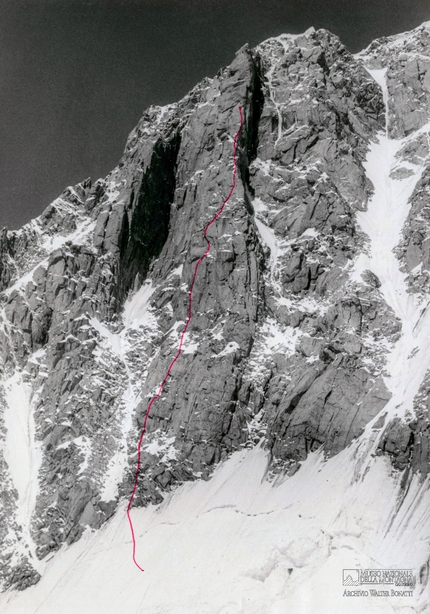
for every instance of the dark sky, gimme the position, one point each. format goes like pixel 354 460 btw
pixel 76 75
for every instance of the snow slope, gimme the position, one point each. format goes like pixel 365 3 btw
pixel 244 542
pixel 382 222
pixel 239 544
pixel 22 452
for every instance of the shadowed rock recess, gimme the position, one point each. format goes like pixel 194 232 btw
pixel 286 346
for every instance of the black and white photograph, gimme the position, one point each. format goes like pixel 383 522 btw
pixel 214 307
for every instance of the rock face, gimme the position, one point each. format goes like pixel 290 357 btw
pixel 286 345
pixel 406 60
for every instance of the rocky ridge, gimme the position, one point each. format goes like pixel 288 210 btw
pixel 290 339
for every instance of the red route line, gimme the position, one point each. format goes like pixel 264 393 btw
pixel 190 314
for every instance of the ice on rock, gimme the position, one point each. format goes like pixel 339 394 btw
pixel 301 392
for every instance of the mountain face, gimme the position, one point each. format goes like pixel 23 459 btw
pixel 310 332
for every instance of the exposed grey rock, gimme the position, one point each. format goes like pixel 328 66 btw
pixel 282 345
pixel 407 60
pixel 414 249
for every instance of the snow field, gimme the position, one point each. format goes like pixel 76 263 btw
pixel 240 545
pixel 21 451
pixel 382 222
